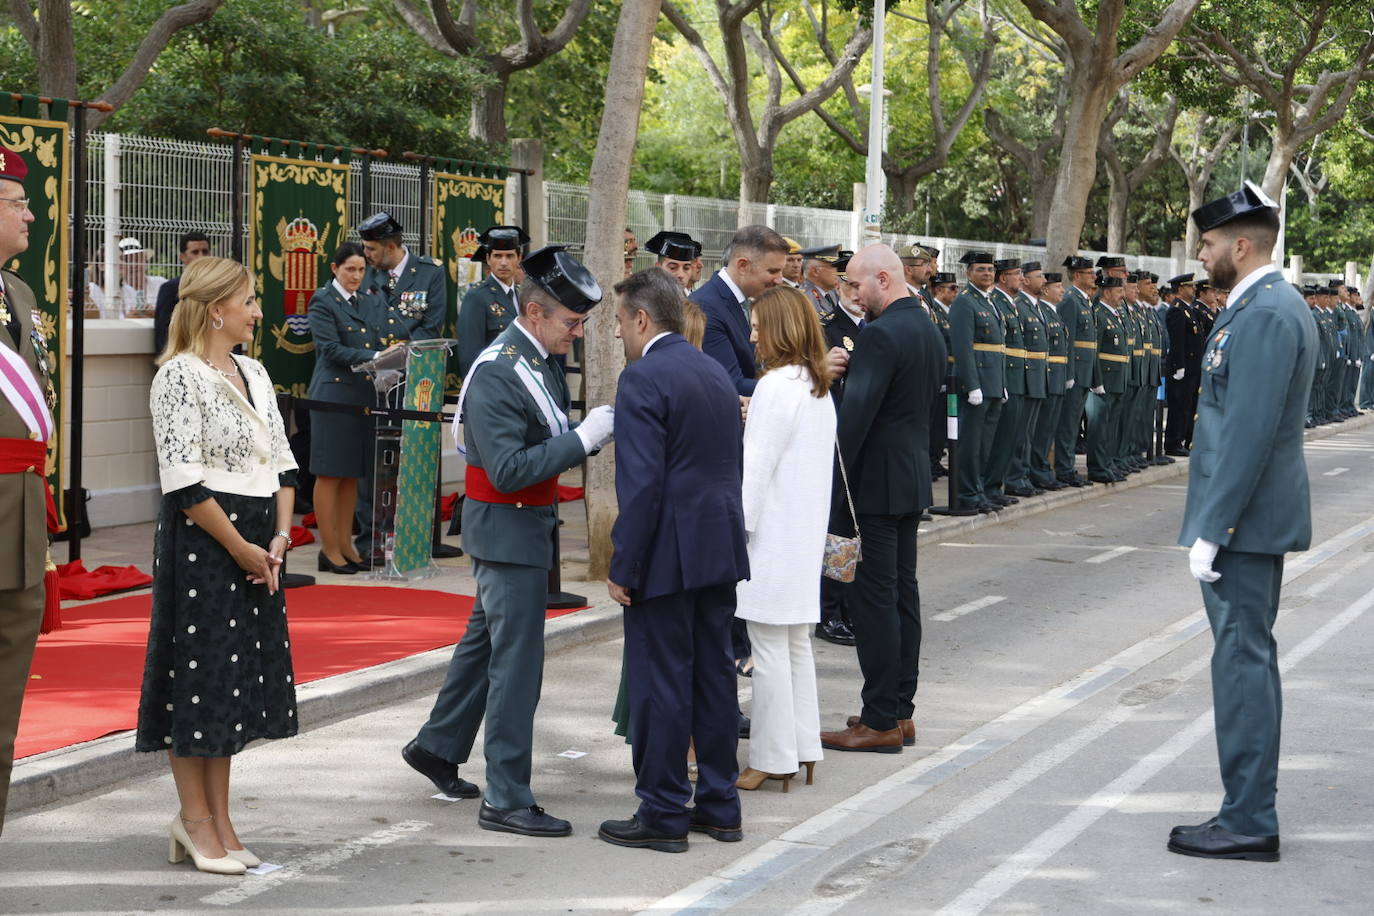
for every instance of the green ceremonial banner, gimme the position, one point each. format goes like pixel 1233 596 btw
pixel 45 265
pixel 419 461
pixel 464 205
pixel 298 216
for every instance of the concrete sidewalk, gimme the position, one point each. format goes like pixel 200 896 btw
pixel 68 773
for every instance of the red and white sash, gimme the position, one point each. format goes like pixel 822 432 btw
pixel 25 395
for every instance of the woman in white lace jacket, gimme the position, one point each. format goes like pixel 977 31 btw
pixel 218 671
pixel 789 444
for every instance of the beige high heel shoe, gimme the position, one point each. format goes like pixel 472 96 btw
pixel 751 779
pixel 243 855
pixel 179 844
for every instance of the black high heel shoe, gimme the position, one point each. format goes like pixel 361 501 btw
pixel 346 569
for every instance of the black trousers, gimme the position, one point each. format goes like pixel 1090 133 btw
pixel 1179 422
pixel 885 607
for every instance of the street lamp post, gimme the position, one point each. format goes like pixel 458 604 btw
pixel 877 136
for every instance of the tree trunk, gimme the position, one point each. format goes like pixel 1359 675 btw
pixel 488 122
pixel 1090 96
pixel 610 185
pixel 901 189
pixel 1280 158
pixel 1118 196
pixel 1197 187
pixel 1042 195
pixel 56 50
pixel 756 178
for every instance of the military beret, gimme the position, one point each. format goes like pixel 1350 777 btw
pixel 504 238
pixel 12 165
pixel 674 246
pixel 1248 200
pixel 1029 266
pixel 378 226
pixel 918 252
pixel 1111 261
pixel 564 277
pixel 943 279
pixel 1053 276
pixel 1074 262
pixel 1110 283
pixel 976 257
pixel 827 253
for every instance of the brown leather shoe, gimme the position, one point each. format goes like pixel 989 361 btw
pixel 862 738
pixel 907 726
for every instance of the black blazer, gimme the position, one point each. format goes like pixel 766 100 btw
pixel 167 296
pixel 884 429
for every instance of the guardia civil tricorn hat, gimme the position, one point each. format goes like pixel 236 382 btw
pixel 564 277
pixel 1074 262
pixel 504 238
pixel 1248 200
pixel 378 226
pixel 675 246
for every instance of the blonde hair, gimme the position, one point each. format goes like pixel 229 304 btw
pixel 693 323
pixel 207 281
pixel 790 335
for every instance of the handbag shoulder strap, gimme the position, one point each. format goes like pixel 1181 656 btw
pixel 844 478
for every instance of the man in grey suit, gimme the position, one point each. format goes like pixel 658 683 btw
pixel 518 439
pixel 1247 506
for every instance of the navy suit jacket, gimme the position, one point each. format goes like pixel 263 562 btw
pixel 727 333
pixel 167 295
pixel 678 455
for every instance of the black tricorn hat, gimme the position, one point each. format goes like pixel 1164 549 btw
pixel 1249 199
pixel 1002 265
pixel 504 238
pixel 970 258
pixel 562 276
pixel 479 256
pixel 842 262
pixel 1075 262
pixel 378 226
pixel 1029 266
pixel 1133 277
pixel 675 246
pixel 1053 276
pixel 1111 261
pixel 1110 283
pixel 942 278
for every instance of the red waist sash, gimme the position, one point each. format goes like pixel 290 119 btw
pixel 480 487
pixel 24 456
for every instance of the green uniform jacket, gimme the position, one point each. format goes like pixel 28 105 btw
pixel 345 335
pixel 1247 480
pixel 977 338
pixel 1034 338
pixel 1329 346
pixel 419 301
pixel 1057 372
pixel 1135 345
pixel 487 311
pixel 507 436
pixel 1014 354
pixel 1113 352
pixel 23 508
pixel 1080 329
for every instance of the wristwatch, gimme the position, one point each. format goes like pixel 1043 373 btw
pixel 283 534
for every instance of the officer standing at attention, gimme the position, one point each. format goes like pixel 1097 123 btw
pixel 1105 402
pixel 1011 425
pixel 1248 505
pixel 1183 366
pixel 792 265
pixel 1135 381
pixel 1080 329
pixel 1057 382
pixel 26 425
pixel 490 306
pixel 937 294
pixel 978 335
pixel 676 251
pixel 821 277
pixel 1036 342
pixel 514 414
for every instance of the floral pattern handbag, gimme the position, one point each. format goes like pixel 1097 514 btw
pixel 842 554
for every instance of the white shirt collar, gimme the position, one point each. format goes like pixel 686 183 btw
pixel 504 288
pixel 653 340
pixel 401 265
pixel 730 282
pixel 534 340
pixel 1250 280
pixel 341 291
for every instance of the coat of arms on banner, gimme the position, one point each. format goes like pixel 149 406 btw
pixel 298 267
pixel 461 269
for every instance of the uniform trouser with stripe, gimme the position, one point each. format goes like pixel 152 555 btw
pixel 1366 387
pixel 1018 473
pixel 1129 403
pixel 1104 432
pixel 1042 440
pixel 1316 401
pixel 972 422
pixel 1066 431
pixel 1003 445
pixel 1178 398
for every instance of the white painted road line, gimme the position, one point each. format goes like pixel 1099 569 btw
pixel 961 610
pixel 1335 472
pixel 1109 555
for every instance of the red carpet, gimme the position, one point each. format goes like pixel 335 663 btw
pixel 86 676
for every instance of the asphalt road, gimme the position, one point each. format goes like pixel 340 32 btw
pixel 1064 721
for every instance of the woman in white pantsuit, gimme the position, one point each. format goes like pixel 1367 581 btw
pixel 789 447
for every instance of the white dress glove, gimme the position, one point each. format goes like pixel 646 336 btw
pixel 1178 375
pixel 1200 559
pixel 1005 397
pixel 975 397
pixel 1099 390
pixel 1068 386
pixel 597 428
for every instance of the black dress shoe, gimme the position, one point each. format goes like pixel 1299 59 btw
pixel 439 771
pixel 987 508
pixel 362 564
pixel 1074 481
pixel 927 517
pixel 634 834
pixel 1193 828
pixel 744 726
pixel 1053 485
pixel 1009 500
pixel 347 569
pixel 723 834
pixel 445 552
pixel 1216 842
pixel 531 821
pixel 836 631
pixel 1104 478
pixel 1176 451
pixel 1020 491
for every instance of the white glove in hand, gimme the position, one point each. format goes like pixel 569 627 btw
pixel 1068 385
pixel 597 428
pixel 1200 559
pixel 975 397
pixel 1178 375
pixel 1005 397
pixel 1099 390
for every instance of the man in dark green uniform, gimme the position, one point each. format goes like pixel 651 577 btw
pixel 1080 329
pixel 1050 291
pixel 1137 333
pixel 1036 343
pixel 490 306
pixel 1248 504
pixel 938 294
pixel 1105 401
pixel 1011 425
pixel 978 337
pixel 1316 409
pixel 513 410
pixel 412 285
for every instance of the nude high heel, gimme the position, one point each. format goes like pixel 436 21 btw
pixel 179 844
pixel 243 855
pixel 751 779
pixel 810 767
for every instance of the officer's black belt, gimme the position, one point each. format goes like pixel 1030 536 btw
pixel 289 402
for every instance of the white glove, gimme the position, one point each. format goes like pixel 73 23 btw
pixel 1178 375
pixel 597 428
pixel 1005 397
pixel 1200 559
pixel 1099 390
pixel 1068 386
pixel 1359 363
pixel 975 397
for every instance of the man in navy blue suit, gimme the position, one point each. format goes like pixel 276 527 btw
pixel 753 262
pixel 679 551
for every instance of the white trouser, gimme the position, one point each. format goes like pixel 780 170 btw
pixel 786 721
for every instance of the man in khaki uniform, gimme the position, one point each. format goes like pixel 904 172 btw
pixel 25 426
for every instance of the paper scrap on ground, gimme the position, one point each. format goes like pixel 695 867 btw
pixel 573 755
pixel 265 868
pixel 448 798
